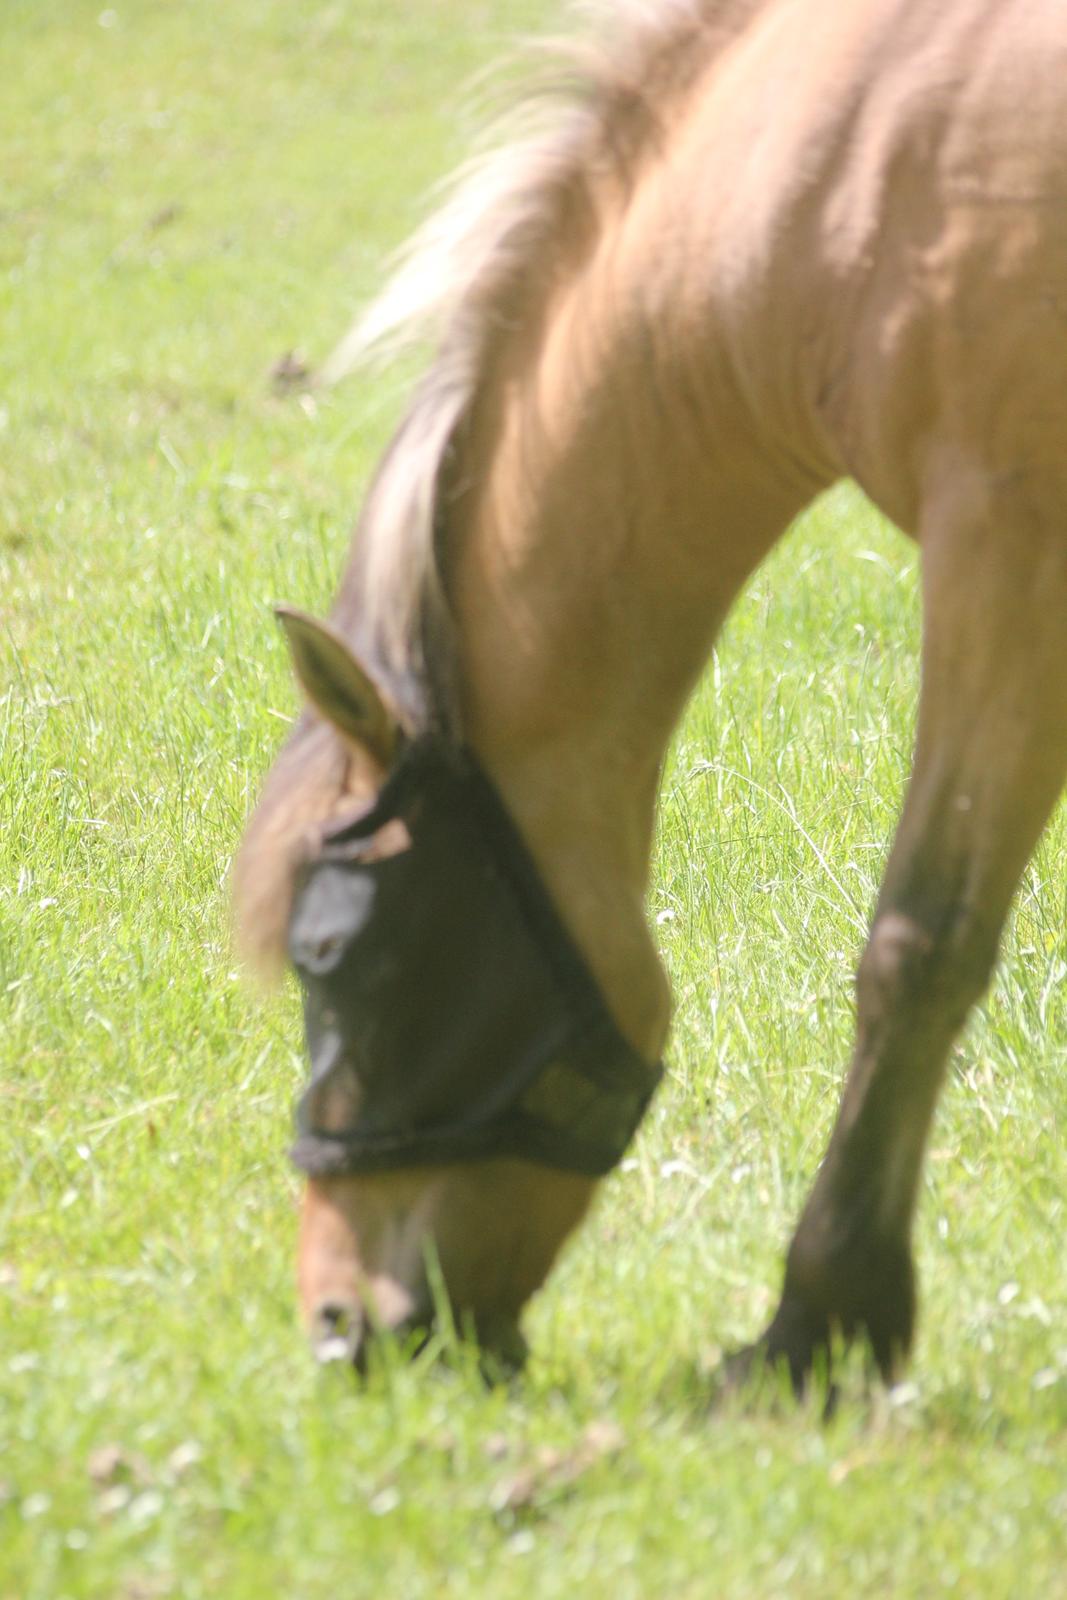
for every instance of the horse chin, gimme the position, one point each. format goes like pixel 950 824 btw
pixel 384 1254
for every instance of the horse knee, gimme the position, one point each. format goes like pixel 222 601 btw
pixel 909 968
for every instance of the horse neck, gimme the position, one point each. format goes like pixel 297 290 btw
pixel 599 531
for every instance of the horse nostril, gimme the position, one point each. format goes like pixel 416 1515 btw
pixel 337 1333
pixel 341 1330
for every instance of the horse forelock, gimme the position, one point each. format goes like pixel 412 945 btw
pixel 302 792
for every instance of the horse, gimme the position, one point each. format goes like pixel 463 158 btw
pixel 730 252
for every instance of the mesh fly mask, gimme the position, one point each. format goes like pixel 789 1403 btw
pixel 449 1015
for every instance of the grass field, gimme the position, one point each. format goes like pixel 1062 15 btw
pixel 187 191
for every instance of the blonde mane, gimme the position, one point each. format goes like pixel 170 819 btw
pixel 590 114
pixel 594 111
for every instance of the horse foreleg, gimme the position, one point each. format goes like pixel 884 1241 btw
pixel 990 758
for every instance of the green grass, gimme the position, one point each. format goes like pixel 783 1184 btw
pixel 185 194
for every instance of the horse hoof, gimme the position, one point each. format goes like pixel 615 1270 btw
pixel 763 1375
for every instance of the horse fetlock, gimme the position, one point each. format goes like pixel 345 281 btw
pixel 864 1291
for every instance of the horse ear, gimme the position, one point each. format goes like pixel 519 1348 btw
pixel 336 684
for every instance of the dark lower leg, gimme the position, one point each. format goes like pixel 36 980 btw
pixel 849 1270
pixel 990 761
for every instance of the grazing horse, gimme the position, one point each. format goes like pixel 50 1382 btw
pixel 734 250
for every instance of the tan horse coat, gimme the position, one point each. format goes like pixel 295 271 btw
pixel 760 246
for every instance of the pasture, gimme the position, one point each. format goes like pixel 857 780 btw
pixel 187 193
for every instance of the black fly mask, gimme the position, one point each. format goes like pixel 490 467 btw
pixel 449 1015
